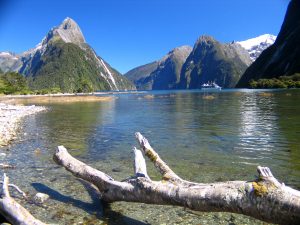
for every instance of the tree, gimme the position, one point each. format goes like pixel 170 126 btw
pixel 13 83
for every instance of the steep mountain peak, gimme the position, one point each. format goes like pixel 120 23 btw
pixel 181 52
pixel 161 74
pixel 184 48
pixel 184 51
pixel 212 60
pixel 265 38
pixel 69 31
pixel 64 60
pixel 68 23
pixel 205 39
pixel 256 45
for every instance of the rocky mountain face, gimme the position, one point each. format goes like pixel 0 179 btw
pixel 283 57
pixel 64 60
pixel 211 60
pixel 9 61
pixel 140 73
pixel 187 68
pixel 255 46
pixel 163 74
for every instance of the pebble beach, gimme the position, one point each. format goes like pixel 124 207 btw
pixel 10 117
pixel 12 109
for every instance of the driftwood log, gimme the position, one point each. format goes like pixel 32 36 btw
pixel 13 211
pixel 264 198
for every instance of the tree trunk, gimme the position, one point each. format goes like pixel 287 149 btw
pixel 12 210
pixel 264 198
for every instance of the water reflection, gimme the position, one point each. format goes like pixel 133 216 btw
pixel 258 129
pixel 289 113
pixel 202 139
pixel 73 125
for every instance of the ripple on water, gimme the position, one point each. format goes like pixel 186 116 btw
pixel 204 141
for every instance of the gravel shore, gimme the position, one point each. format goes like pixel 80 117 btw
pixel 10 116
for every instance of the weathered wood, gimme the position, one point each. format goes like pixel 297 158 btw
pixel 264 198
pixel 162 167
pixel 13 211
pixel 140 169
pixel 17 188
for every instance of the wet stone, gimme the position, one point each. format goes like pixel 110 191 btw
pixel 41 197
pixel 116 170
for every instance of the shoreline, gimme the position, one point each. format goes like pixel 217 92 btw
pixel 13 108
pixel 72 94
pixel 10 118
pixel 53 98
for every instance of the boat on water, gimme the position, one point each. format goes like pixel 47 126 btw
pixel 210 86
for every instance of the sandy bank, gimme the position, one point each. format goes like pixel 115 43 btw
pixel 52 98
pixel 10 116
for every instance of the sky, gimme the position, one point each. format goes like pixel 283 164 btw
pixel 130 33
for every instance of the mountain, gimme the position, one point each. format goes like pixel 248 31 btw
pixel 9 61
pixel 163 74
pixel 255 46
pixel 283 57
pixel 211 60
pixel 64 60
pixel 140 73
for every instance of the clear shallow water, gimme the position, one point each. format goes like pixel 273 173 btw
pixel 202 139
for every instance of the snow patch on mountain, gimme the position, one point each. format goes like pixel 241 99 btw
pixel 8 55
pixel 5 54
pixel 255 46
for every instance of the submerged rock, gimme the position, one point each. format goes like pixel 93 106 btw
pixel 41 197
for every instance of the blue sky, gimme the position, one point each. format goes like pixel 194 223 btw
pixel 129 33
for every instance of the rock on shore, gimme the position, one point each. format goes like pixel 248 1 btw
pixel 10 116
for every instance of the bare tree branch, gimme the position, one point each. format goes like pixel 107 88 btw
pixel 12 210
pixel 162 167
pixel 140 168
pixel 17 188
pixel 264 198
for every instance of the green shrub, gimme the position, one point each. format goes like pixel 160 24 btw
pixel 45 91
pixel 292 81
pixel 13 83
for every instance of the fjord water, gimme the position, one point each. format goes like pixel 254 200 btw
pixel 204 137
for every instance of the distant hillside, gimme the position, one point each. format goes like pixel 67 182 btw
pixel 211 60
pixel 160 75
pixel 187 68
pixel 139 74
pixel 283 57
pixel 63 60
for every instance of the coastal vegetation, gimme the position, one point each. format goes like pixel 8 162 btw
pixel 13 83
pixel 281 82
